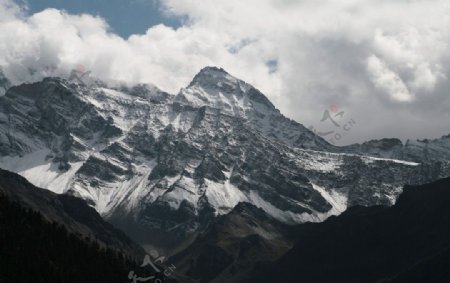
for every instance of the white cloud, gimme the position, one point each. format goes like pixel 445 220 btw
pixel 387 80
pixel 376 58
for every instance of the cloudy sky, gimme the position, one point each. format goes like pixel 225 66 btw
pixel 385 63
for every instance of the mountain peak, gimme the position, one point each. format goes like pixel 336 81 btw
pixel 210 69
pixel 213 86
pixel 212 76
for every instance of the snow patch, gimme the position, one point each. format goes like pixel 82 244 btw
pixel 223 197
pixel 41 172
pixel 338 201
pixel 288 217
pixel 183 189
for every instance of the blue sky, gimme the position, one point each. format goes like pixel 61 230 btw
pixel 125 17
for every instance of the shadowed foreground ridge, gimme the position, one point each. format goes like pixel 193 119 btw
pixel 71 212
pixel 34 250
pixel 408 242
pixel 48 238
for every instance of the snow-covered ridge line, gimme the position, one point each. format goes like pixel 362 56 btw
pixel 370 158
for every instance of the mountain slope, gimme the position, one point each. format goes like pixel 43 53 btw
pixel 162 167
pixel 232 245
pixel 34 250
pixel 67 211
pixel 408 242
pixel 47 238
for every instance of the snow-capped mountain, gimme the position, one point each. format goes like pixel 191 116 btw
pixel 163 166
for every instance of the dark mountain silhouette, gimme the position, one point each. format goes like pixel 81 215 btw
pixel 408 242
pixel 48 238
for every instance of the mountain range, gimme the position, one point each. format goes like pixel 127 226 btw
pixel 164 167
pixel 217 180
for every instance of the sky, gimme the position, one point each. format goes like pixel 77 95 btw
pixel 378 67
pixel 124 17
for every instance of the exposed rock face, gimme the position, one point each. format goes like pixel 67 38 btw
pixel 163 166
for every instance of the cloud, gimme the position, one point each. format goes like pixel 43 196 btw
pixel 385 62
pixel 387 80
